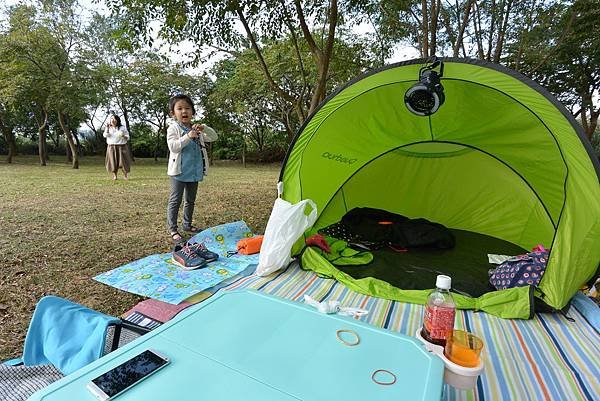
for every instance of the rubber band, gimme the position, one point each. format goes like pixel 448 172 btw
pixel 337 334
pixel 380 382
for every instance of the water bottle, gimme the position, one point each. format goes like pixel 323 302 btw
pixel 440 309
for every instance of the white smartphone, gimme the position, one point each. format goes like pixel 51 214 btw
pixel 120 378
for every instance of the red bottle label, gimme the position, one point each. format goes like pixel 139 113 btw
pixel 439 321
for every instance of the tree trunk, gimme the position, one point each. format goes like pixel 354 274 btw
pixel 477 31
pixel 425 25
pixel 157 144
pixel 128 126
pixel 42 147
pixel 319 93
pixel 67 132
pixel 523 38
pixel 77 146
pixel 324 58
pixel 209 150
pixel 502 31
pixel 305 85
pixel 461 28
pixel 435 11
pixel 445 16
pixel 77 143
pixel 12 145
pixel 593 124
pixel 488 56
pixel 288 127
pixel 9 137
pixel 589 116
pixel 161 129
pixel 54 138
pixel 42 126
pixel 244 151
pixel 69 155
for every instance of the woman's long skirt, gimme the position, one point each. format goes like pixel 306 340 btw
pixel 117 156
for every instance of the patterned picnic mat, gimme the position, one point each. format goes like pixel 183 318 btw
pixel 157 277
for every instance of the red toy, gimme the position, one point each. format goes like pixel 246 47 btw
pixel 319 241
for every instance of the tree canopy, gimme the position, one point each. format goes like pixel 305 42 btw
pixel 258 69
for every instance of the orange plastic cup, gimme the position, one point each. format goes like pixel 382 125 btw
pixel 463 348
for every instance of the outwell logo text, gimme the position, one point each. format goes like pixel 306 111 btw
pixel 338 158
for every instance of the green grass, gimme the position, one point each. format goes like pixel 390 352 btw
pixel 59 227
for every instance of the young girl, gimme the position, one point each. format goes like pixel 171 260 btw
pixel 188 162
pixel 117 153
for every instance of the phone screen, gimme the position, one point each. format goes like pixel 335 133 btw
pixel 128 373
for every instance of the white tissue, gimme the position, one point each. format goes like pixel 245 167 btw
pixel 334 307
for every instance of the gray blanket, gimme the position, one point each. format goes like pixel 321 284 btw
pixel 18 383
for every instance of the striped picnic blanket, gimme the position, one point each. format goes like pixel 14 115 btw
pixel 546 358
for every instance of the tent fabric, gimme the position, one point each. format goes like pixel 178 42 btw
pixel 501 157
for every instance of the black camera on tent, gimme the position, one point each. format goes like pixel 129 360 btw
pixel 425 97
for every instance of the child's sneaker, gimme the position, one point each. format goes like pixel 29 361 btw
pixel 186 258
pixel 201 250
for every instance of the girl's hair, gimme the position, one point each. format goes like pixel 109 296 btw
pixel 116 117
pixel 174 99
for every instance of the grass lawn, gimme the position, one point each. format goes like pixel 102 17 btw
pixel 59 227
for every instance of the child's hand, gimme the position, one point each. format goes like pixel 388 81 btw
pixel 193 134
pixel 198 127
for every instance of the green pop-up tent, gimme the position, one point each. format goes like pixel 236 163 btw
pixel 502 163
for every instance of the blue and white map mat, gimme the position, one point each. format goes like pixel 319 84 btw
pixel 156 276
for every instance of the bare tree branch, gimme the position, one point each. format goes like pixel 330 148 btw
pixel 305 84
pixel 324 60
pixel 477 30
pixel 461 28
pixel 425 27
pixel 565 34
pixel 435 11
pixel 314 49
pixel 493 12
pixel 502 30
pixel 260 57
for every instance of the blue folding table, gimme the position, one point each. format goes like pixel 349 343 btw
pixel 250 346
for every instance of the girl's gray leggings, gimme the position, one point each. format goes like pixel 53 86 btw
pixel 179 190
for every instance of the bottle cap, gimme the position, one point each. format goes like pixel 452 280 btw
pixel 443 282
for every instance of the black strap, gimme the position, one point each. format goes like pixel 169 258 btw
pixel 116 337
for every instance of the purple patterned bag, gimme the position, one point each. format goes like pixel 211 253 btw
pixel 520 271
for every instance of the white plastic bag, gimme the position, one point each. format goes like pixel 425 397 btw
pixel 286 224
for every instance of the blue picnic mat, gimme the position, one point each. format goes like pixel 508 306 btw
pixel 157 277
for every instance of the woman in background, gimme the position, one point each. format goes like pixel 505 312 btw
pixel 117 154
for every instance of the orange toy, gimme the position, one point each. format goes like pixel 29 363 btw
pixel 249 246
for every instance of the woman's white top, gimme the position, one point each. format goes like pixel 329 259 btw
pixel 116 136
pixel 176 142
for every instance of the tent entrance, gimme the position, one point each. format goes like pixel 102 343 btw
pixel 454 185
pixel 466 263
pixel 487 205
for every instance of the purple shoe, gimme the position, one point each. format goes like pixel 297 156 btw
pixel 201 250
pixel 186 258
